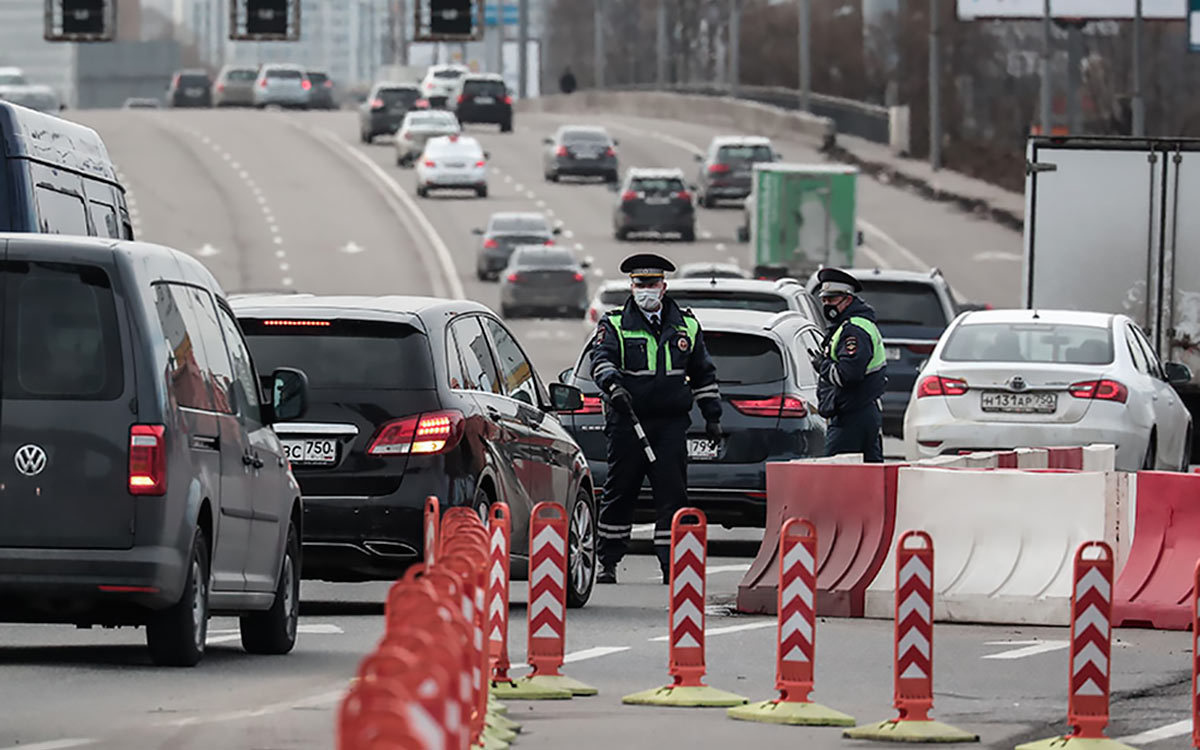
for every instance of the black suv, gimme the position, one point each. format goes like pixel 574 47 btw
pixel 140 480
pixel 505 231
pixel 654 200
pixel 769 393
pixel 727 169
pixel 190 88
pixel 912 310
pixel 483 98
pixel 412 397
pixel 385 108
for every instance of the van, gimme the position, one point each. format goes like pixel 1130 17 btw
pixel 56 178
pixel 141 482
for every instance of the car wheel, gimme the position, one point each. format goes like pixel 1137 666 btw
pixel 274 631
pixel 482 504
pixel 422 191
pixel 1151 460
pixel 688 235
pixel 1186 460
pixel 482 192
pixel 707 201
pixel 508 313
pixel 621 234
pixel 176 635
pixel 481 274
pixel 506 127
pixel 581 550
pixel 552 177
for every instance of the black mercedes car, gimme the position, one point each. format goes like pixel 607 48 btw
pixel 411 397
pixel 769 392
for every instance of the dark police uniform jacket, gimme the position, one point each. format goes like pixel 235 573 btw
pixel 853 368
pixel 663 373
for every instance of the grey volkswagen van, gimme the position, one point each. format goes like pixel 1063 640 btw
pixel 141 482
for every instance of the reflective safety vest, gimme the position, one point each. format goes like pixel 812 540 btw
pixel 690 328
pixel 878 353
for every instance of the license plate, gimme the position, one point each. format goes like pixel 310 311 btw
pixel 1019 403
pixel 893 352
pixel 657 201
pixel 702 449
pixel 323 451
pixel 484 100
pixel 194 92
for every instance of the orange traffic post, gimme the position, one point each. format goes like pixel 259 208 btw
pixel 432 520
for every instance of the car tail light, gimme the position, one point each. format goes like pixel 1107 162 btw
pixel 481 163
pixel 461 98
pixel 609 151
pixel 513 277
pixel 262 83
pixel 684 195
pixel 328 84
pixel 376 104
pixel 548 243
pixel 298 323
pixel 430 163
pixel 591 405
pixel 432 432
pixel 718 168
pixel 593 315
pixel 306 84
pixel 408 136
pixel 429 86
pixel 508 100
pixel 490 243
pixel 775 406
pixel 422 104
pixel 936 385
pixel 628 196
pixel 147 459
pixel 1100 390
pixel 578 276
pixel 921 348
pixel 562 151
pixel 220 87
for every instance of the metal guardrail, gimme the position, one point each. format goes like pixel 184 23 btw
pixel 869 121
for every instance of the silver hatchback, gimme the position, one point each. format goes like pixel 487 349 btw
pixel 282 85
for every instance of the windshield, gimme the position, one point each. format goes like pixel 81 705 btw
pixel 744 153
pixel 540 257
pixel 398 96
pixel 318 78
pixel 519 224
pixel 904 303
pixel 448 74
pixel 285 73
pixel 710 272
pixel 346 354
pixel 1025 342
pixel 12 79
pixel 657 184
pixel 485 88
pixel 193 79
pixel 242 74
pixel 614 296
pixel 585 136
pixel 740 358
pixel 729 300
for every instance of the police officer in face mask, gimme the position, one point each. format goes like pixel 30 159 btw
pixel 650 362
pixel 852 368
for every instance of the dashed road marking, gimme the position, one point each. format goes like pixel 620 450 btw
pixel 540 203
pixel 993 255
pixel 284 267
pixel 568 233
pixel 727 629
pixel 519 187
pixel 705 234
pixel 287 281
pixel 584 655
pixel 53 745
pixel 280 253
pixel 1166 732
pixel 720 247
pixel 278 241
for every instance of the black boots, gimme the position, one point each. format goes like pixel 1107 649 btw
pixel 608 574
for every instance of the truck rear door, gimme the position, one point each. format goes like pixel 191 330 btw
pixel 1092 226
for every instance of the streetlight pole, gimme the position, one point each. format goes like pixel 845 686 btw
pixel 523 48
pixel 598 63
pixel 735 45
pixel 1047 101
pixel 935 87
pixel 1138 105
pixel 804 6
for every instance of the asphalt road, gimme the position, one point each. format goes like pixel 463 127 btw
pixel 275 201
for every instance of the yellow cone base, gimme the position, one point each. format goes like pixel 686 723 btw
pixel 503 722
pixel 790 712
pixel 498 733
pixel 1074 743
pixel 491 743
pixel 895 730
pixel 559 682
pixel 496 706
pixel 529 689
pixel 689 697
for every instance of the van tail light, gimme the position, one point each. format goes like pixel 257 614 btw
pixel 306 84
pixel 561 151
pixel 376 104
pixel 718 168
pixel 936 385
pixel 1100 390
pixel 147 459
pixel 220 87
pixel 628 196
pixel 422 104
pixel 684 195
pixel 481 163
pixel 776 406
pixel 461 98
pixel 490 243
pixel 428 433
pixel 429 86
pixel 594 315
pixel 591 405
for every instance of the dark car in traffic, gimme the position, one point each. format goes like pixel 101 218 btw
pixel 913 310
pixel 190 88
pixel 580 151
pixel 385 108
pixel 505 231
pixel 544 279
pixel 654 200
pixel 483 98
pixel 768 392
pixel 141 482
pixel 726 170
pixel 321 95
pixel 411 397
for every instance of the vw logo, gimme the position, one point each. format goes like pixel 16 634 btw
pixel 1017 383
pixel 30 460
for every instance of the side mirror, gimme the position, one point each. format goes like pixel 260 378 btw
pixel 616 142
pixel 289 394
pixel 487 155
pixel 565 397
pixel 556 230
pixel 548 141
pixel 1177 374
pixel 693 187
pixel 476 230
pixel 562 376
pixel 585 263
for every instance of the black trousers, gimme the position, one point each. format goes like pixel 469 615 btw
pixel 857 432
pixel 628 466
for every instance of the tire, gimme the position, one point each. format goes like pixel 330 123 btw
pixel 481 192
pixel 273 632
pixel 688 235
pixel 506 127
pixel 552 177
pixel 621 235
pixel 482 504
pixel 612 177
pixel 508 313
pixel 707 202
pixel 481 274
pixel 176 635
pixel 422 192
pixel 581 550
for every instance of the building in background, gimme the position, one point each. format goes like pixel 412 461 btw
pixel 22 26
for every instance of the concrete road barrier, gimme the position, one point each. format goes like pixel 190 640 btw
pixel 1005 540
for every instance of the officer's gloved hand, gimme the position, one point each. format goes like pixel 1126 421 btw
pixel 621 398
pixel 713 430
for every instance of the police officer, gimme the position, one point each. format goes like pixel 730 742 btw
pixel 651 364
pixel 853 369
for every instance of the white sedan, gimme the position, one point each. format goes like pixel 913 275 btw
pixel 452 162
pixel 1002 379
pixel 416 130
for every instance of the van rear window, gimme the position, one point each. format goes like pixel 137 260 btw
pixel 61 339
pixel 343 353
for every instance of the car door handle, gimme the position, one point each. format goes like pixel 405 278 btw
pixel 250 459
pixel 493 413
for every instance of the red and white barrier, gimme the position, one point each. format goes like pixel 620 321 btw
pixel 689 558
pixel 432 518
pixel 547 588
pixel 1196 656
pixel 498 585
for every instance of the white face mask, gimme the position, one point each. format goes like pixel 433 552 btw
pixel 649 300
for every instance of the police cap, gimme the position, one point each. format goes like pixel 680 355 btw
pixel 646 265
pixel 835 281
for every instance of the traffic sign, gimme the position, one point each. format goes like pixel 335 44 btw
pixel 1193 25
pixel 492 14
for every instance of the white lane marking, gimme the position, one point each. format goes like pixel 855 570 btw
pixel 278 240
pixel 52 745
pixel 876 259
pixel 235 165
pixel 726 630
pixel 207 251
pixel 244 175
pixel 540 203
pixel 225 155
pixel 508 178
pixel 1162 733
pixel 997 255
pixel 262 200
pixel 589 653
pixel 329 697
pixel 720 247
pixel 206 139
pixel 266 210
pixel 909 255
pixel 530 194
pixel 519 187
pixel 579 247
pixel 705 234
pixel 715 569
pixel 549 211
pixel 1030 648
pixel 287 281
pixel 280 254
pixel 449 274
pixel 284 267
pixel 568 234
pixel 352 248
pixel 273 228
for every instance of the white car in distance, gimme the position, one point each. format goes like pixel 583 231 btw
pixel 440 82
pixel 416 130
pixel 452 162
pixel 1002 379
